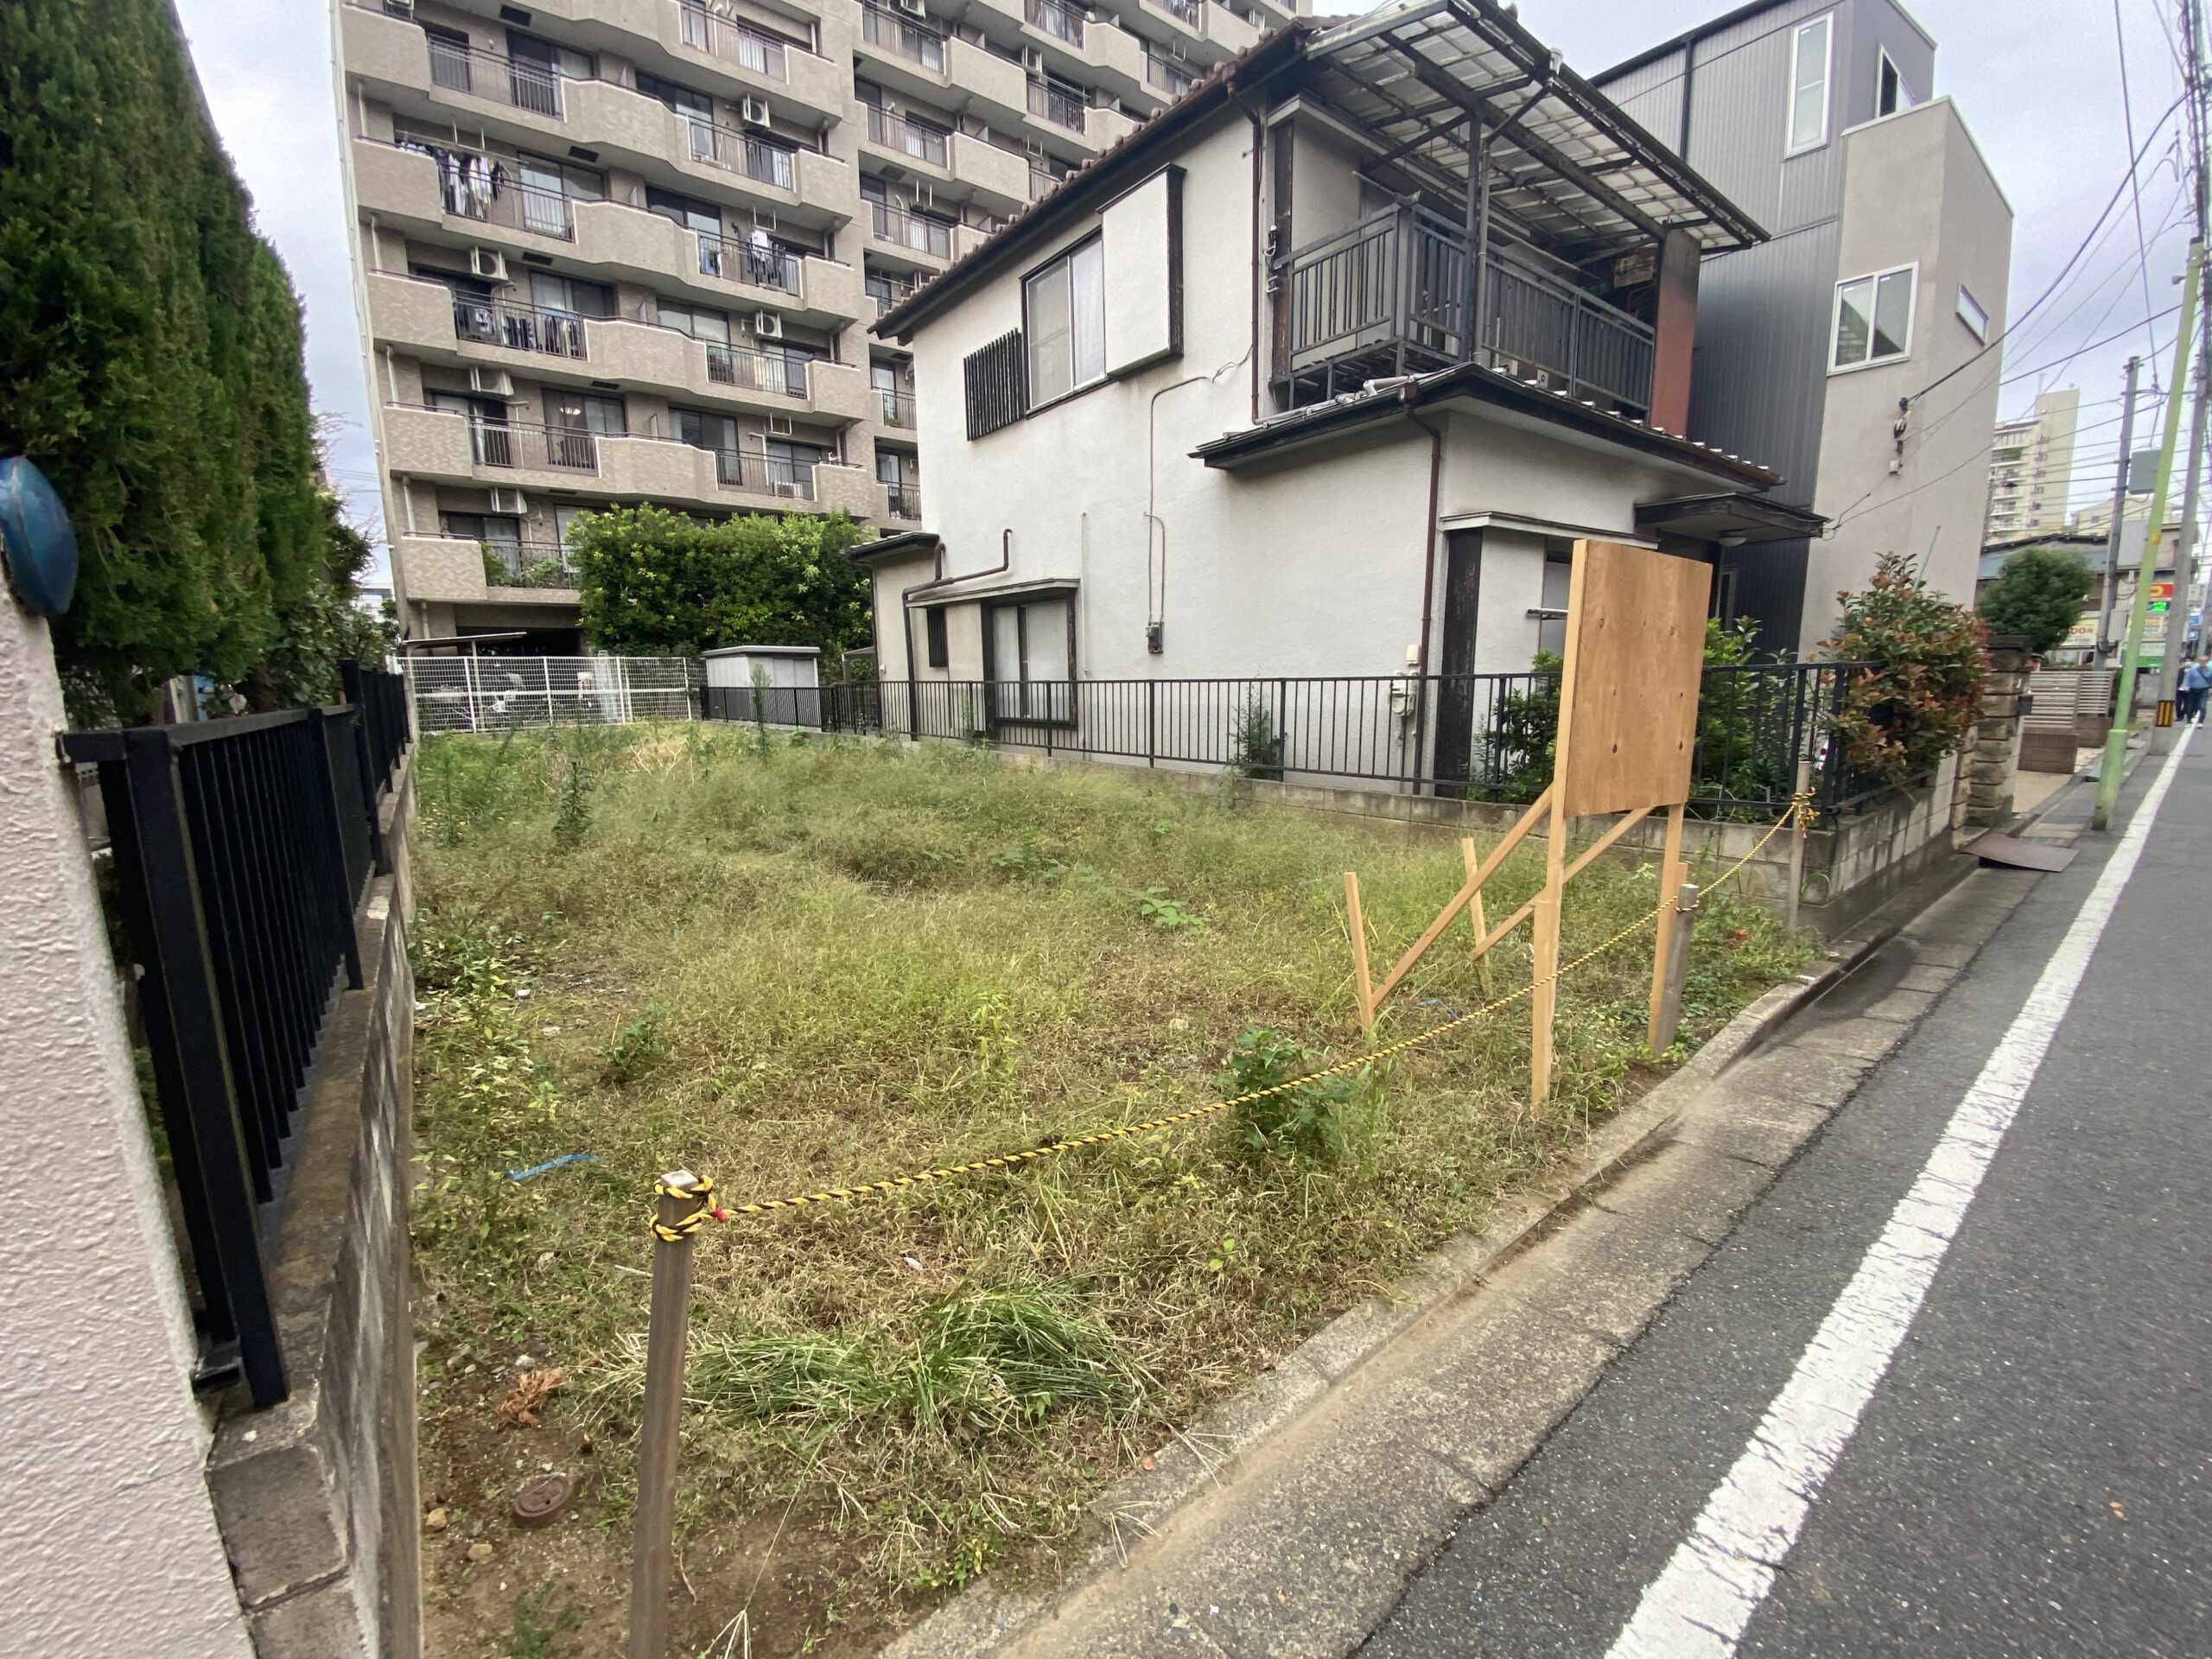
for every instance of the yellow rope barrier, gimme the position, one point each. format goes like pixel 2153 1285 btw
pixel 1800 813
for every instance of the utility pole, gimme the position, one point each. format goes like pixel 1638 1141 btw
pixel 2185 594
pixel 2177 388
pixel 2118 513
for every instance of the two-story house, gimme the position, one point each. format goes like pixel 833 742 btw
pixel 1214 407
pixel 1856 346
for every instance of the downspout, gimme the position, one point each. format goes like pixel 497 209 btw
pixel 1428 581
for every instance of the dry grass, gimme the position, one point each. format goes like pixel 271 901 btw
pixel 830 963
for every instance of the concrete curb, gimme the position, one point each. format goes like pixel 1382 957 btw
pixel 980 1621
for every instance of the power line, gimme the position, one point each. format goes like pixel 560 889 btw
pixel 2060 362
pixel 2135 177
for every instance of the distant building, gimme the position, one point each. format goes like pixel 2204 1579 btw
pixel 1885 271
pixel 2091 547
pixel 2031 468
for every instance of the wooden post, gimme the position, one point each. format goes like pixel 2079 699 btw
pixel 1672 873
pixel 1363 985
pixel 652 1551
pixel 1544 1002
pixel 1475 916
pixel 1667 1015
pixel 1797 850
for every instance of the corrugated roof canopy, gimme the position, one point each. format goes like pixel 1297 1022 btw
pixel 1566 162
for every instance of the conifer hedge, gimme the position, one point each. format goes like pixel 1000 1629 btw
pixel 149 359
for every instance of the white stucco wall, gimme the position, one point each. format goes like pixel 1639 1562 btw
pixel 105 1526
pixel 1916 189
pixel 1312 564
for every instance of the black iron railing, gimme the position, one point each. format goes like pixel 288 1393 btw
pixel 923 143
pixel 737 151
pixel 705 31
pixel 918 231
pixel 764 265
pixel 1061 22
pixel 243 849
pixel 782 373
pixel 895 34
pixel 1060 107
pixel 478 73
pixel 1476 736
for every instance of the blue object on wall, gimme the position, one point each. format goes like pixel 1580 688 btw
pixel 38 549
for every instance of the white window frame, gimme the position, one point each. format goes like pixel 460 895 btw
pixel 1826 24
pixel 1976 319
pixel 1911 318
pixel 1905 99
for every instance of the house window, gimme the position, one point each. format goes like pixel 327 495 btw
pixel 1974 315
pixel 1808 85
pixel 1891 94
pixel 1873 319
pixel 572 295
pixel 700 321
pixel 582 412
pixel 998 391
pixel 933 631
pixel 1032 648
pixel 1064 307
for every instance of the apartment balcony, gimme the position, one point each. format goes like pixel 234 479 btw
pixel 996 177
pixel 611 240
pixel 1386 297
pixel 448 448
pixel 819 82
pixel 902 54
pixel 891 409
pixel 1229 34
pixel 917 239
pixel 902 502
pixel 451 569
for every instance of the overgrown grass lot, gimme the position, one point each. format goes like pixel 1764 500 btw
pixel 795 966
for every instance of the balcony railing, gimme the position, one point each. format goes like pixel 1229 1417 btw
pixel 528 564
pixel 1062 109
pixel 735 260
pixel 1061 22
pixel 478 73
pixel 774 372
pixel 763 474
pixel 505 445
pixel 915 231
pixel 718 37
pixel 903 500
pixel 1385 296
pixel 519 328
pixel 896 36
pixel 742 152
pixel 886 295
pixel 897 406
pixel 1185 12
pixel 908 138
pixel 485 189
pixel 1170 78
pixel 1041 183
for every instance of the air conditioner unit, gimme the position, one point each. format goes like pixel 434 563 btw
pixel 786 486
pixel 755 111
pixel 1033 60
pixel 489 263
pixel 509 502
pixel 493 383
pixel 780 426
pixel 767 325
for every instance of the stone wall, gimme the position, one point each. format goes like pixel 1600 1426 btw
pixel 1984 797
pixel 317 1498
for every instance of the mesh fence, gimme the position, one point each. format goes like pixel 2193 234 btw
pixel 498 694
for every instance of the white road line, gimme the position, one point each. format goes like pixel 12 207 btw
pixel 1698 1605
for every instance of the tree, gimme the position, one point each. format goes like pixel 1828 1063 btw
pixel 320 625
pixel 2039 593
pixel 654 582
pixel 149 357
pixel 1917 703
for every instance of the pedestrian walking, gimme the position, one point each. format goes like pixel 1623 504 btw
pixel 2195 680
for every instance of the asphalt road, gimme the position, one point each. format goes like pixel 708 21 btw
pixel 2031 1475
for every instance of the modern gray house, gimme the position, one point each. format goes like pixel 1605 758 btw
pixel 1883 271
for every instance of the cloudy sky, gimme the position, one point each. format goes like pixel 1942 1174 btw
pixel 2038 81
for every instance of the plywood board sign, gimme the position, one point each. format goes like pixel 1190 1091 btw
pixel 1634 655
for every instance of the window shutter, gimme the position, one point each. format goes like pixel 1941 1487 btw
pixel 997 385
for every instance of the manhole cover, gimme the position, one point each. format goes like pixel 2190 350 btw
pixel 543 1499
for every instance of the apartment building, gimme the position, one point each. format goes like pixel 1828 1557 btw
pixel 612 251
pixel 2032 467
pixel 1855 349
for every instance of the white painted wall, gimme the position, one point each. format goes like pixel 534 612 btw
pixel 1916 189
pixel 104 1521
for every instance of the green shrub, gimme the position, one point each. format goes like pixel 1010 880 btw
pixel 635 1050
pixel 1901 720
pixel 1304 1122
pixel 2039 594
pixel 572 807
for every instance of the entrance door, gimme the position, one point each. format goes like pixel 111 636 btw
pixel 1455 691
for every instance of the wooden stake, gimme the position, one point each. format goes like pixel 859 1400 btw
pixel 1475 918
pixel 1797 851
pixel 652 1550
pixel 1544 1003
pixel 1667 1012
pixel 1362 987
pixel 1672 873
pixel 1466 895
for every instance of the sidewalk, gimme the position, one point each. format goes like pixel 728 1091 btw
pixel 1289 1525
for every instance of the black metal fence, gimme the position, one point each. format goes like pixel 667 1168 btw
pixel 1476 736
pixel 243 849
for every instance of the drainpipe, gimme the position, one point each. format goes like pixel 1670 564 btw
pixel 1428 581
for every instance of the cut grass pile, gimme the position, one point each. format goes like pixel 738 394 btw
pixel 790 967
